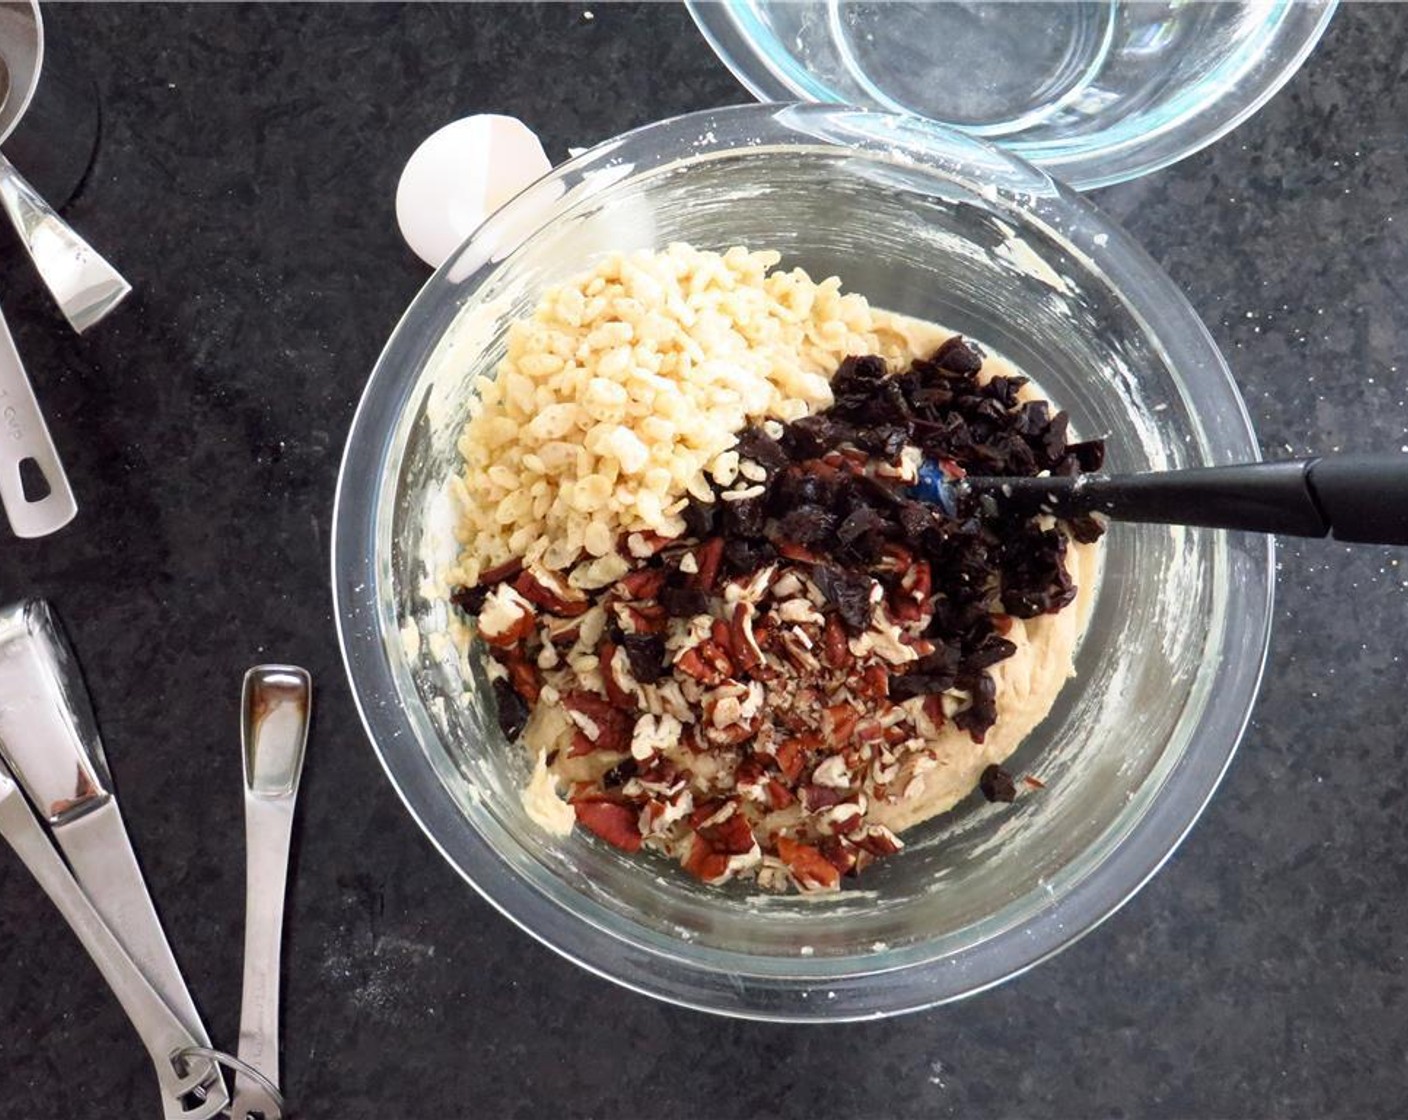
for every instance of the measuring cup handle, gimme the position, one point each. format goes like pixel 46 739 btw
pixel 25 437
pixel 83 284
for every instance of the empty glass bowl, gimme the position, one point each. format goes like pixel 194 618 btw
pixel 1094 91
pixel 925 221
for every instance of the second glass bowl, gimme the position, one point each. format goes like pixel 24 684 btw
pixel 1094 91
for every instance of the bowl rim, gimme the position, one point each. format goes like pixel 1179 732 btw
pixel 1084 166
pixel 357 571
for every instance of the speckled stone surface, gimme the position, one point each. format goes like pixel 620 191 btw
pixel 244 182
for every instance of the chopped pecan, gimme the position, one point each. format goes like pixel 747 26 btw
pixel 779 797
pixel 733 734
pixel 809 867
pixel 905 610
pixel 873 684
pixel 581 744
pixel 590 791
pixel 643 583
pixel 833 772
pixel 506 617
pixel 526 682
pixel 642 618
pixel 876 839
pixel 505 571
pixel 714 811
pixel 549 591
pixel 651 735
pixel 869 730
pixel 750 774
pixel 644 543
pixel 706 663
pixel 764 632
pixel 897 733
pixel 722 636
pixel 918 581
pixel 704 863
pixel 743 643
pixel 816 798
pixel 652 816
pixel 522 674
pixel 791 754
pixel 842 819
pixel 708 557
pixel 658 816
pixel 836 651
pixel 822 469
pixel 616 677
pixel 609 728
pixel 934 709
pixel 797 648
pixel 794 551
pixel 563 631
pixel 838 722
pixel 922 647
pixel 660 775
pixel 618 825
pixel 839 854
pixel 733 836
pixel 896 558
pixel 751 588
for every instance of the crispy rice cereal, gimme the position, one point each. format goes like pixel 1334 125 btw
pixel 627 385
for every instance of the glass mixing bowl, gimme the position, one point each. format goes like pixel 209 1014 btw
pixel 1094 91
pixel 924 221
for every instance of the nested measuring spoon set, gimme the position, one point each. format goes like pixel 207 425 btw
pixel 59 812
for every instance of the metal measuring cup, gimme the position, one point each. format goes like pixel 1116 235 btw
pixel 34 489
pixel 85 286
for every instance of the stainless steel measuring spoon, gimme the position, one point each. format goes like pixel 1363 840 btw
pixel 196 1094
pixel 50 741
pixel 277 702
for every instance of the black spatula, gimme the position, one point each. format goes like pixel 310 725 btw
pixel 1360 498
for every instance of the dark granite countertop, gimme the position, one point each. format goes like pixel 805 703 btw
pixel 244 182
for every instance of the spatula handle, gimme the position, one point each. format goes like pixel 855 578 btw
pixel 1364 497
pixel 1360 498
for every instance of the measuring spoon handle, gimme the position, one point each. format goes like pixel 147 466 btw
pixel 24 436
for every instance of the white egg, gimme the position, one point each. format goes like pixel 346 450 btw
pixel 459 176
